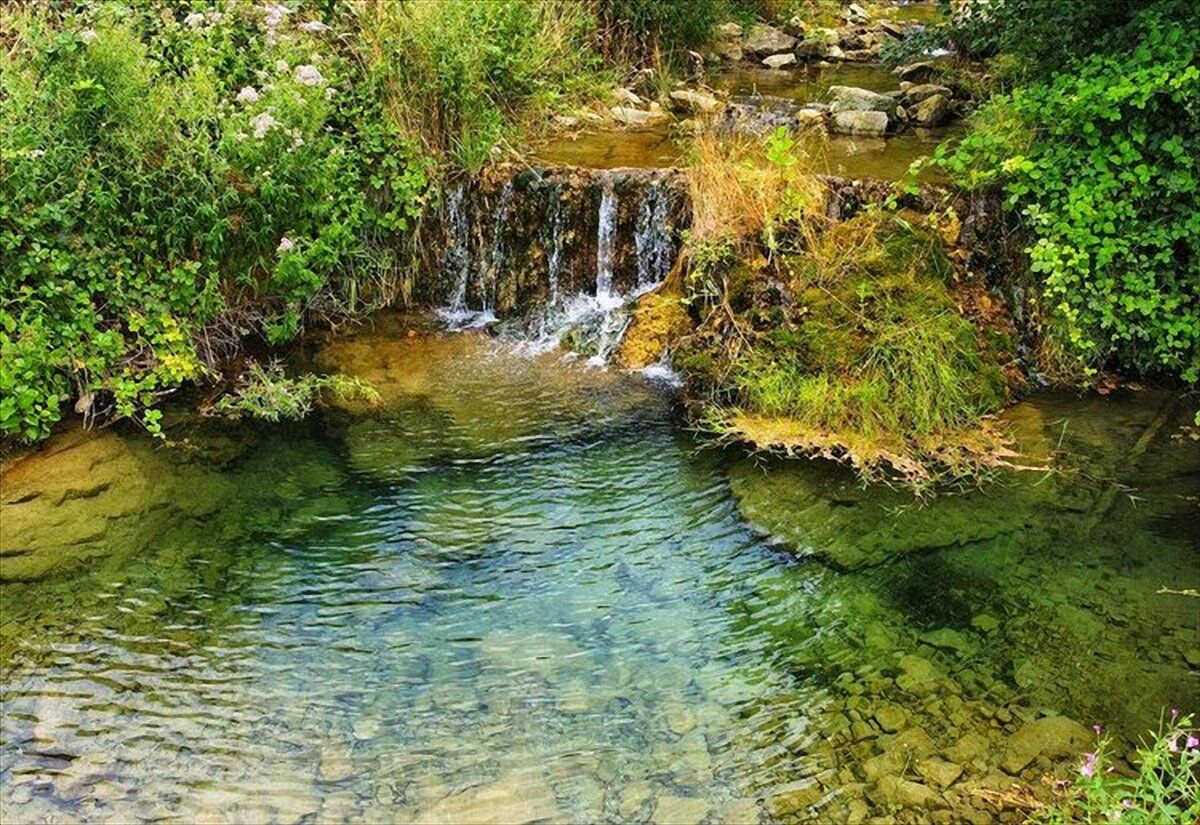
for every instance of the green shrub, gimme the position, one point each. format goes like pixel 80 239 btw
pixel 177 180
pixel 1103 161
pixel 463 73
pixel 668 25
pixel 269 394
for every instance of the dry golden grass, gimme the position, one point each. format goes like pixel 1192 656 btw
pixel 738 194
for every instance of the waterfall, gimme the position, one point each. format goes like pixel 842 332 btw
pixel 653 239
pixel 499 226
pixel 456 261
pixel 557 227
pixel 606 235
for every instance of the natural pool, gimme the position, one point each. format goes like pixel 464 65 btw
pixel 517 591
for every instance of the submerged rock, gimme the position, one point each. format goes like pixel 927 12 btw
pixel 514 799
pixel 1052 736
pixel 867 124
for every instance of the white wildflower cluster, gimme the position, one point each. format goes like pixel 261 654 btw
pixel 262 123
pixel 312 26
pixel 281 66
pixel 248 94
pixel 308 75
pixel 200 20
pixel 87 35
pixel 273 16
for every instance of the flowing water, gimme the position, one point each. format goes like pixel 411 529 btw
pixel 516 591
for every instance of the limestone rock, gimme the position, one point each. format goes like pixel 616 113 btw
pixel 856 14
pixel 891 717
pixel 693 101
pixel 1052 736
pixel 729 30
pixel 918 675
pixel 971 747
pixel 729 50
pixel 946 639
pixel 854 99
pixel 515 798
pixel 779 61
pixel 939 772
pixel 679 810
pixel 921 72
pixel 907 794
pixel 915 94
pixel 635 117
pixel 763 41
pixel 932 111
pixel 632 800
pixel 626 97
pixel 868 124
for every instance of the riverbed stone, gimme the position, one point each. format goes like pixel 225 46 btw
pixel 916 93
pixel 891 717
pixel 518 797
pixel 763 41
pixel 918 674
pixel 335 764
pixel 779 61
pixel 867 124
pixel 1051 736
pixel 971 747
pixel 854 99
pixel 930 112
pixel 679 810
pixel 680 720
pixel 938 772
pixel 693 101
pixel 920 72
pixel 946 639
pixel 636 117
pixel 892 790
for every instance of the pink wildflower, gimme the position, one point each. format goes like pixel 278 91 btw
pixel 286 244
pixel 1088 768
pixel 1192 743
pixel 1173 745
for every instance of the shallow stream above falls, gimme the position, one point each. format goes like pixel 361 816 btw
pixel 517 591
pixel 658 146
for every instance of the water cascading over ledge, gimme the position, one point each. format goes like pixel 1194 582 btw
pixel 517 240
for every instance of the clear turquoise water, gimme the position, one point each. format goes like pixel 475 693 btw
pixel 518 591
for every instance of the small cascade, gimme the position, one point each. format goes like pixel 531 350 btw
pixel 554 246
pixel 557 253
pixel 456 261
pixel 607 222
pixel 654 240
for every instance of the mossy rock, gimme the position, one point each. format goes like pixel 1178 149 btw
pixel 657 321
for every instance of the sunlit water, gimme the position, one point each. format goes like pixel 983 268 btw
pixel 516 591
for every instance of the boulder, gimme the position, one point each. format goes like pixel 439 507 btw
pixel 856 14
pixel 930 112
pixel 854 99
pixel 946 639
pixel 819 44
pixel 893 29
pixel 635 117
pixel 693 101
pixel 729 50
pixel 626 97
pixel 729 30
pixel 916 93
pixel 921 72
pixel 796 26
pixel 868 124
pixel 1053 737
pixel 779 61
pixel 763 41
